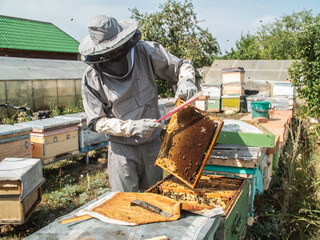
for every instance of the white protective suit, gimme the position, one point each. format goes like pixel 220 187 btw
pixel 117 106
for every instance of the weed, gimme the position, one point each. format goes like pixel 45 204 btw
pixel 290 208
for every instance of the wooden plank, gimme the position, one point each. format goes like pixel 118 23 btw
pixel 76 219
pixel 233 163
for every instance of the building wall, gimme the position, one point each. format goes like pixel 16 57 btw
pixel 40 82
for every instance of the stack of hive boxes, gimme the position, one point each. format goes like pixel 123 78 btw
pixel 233 91
pixel 240 152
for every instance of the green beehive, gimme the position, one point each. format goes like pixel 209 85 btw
pixel 214 104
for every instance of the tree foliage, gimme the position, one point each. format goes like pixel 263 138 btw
pixel 273 41
pixel 306 72
pixel 176 27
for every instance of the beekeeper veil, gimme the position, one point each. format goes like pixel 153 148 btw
pixel 108 39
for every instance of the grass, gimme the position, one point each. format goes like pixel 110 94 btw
pixel 290 209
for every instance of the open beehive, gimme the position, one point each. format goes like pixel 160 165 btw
pixel 211 190
pixel 189 139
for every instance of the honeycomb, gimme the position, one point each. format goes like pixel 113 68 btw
pixel 210 191
pixel 188 138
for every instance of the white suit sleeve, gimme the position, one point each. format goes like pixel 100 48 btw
pixel 186 87
pixel 142 128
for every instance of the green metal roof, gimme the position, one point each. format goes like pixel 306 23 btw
pixel 24 34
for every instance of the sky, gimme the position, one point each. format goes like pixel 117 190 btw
pixel 226 20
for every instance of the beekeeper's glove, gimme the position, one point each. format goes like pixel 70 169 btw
pixel 142 128
pixel 186 87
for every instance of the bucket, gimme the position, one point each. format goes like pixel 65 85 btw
pixel 260 109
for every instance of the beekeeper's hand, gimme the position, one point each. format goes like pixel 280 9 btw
pixel 142 128
pixel 186 87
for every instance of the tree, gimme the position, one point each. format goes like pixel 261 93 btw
pixel 273 41
pixel 176 27
pixel 306 72
pixel 247 48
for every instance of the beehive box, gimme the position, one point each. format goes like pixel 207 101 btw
pixel 88 140
pixel 253 175
pixel 190 137
pixel 15 141
pixel 211 90
pixel 232 75
pixel 231 194
pixel 214 104
pixel 20 189
pixel 246 133
pixel 233 103
pixel 236 155
pixel 53 139
pixel 202 103
pixel 232 89
pixel 282 88
pixel 187 144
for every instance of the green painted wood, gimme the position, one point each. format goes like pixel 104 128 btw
pixel 247 139
pixel 275 160
pixel 233 227
pixel 266 139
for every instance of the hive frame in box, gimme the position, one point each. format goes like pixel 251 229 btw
pixel 254 176
pixel 233 223
pixel 174 128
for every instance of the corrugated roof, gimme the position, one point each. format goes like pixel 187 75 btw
pixel 24 34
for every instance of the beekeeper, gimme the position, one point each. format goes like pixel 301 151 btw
pixel 120 97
